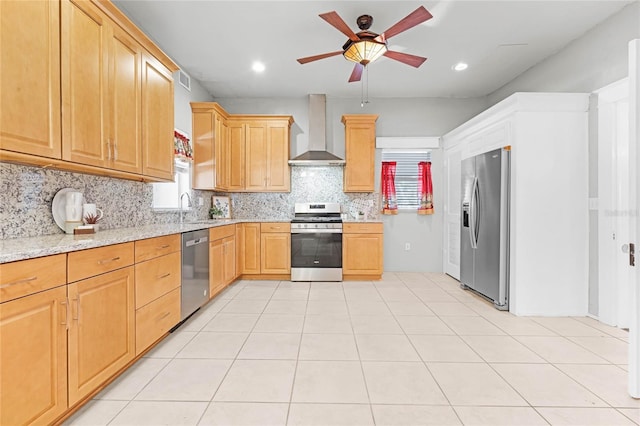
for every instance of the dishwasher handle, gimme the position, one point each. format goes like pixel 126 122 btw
pixel 196 241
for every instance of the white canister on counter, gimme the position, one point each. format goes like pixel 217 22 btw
pixel 75 199
pixel 73 212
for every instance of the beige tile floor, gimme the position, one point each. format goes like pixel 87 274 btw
pixel 412 349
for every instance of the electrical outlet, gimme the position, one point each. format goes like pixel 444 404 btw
pixel 200 201
pixel 407 246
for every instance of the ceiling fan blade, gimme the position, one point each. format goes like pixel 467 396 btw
pixel 334 19
pixel 405 58
pixel 356 74
pixel 416 17
pixel 317 57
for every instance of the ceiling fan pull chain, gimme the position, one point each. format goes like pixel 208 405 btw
pixel 362 92
pixel 366 101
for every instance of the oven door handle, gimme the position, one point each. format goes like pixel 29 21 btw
pixel 316 231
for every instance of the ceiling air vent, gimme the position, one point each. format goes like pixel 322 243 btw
pixel 184 80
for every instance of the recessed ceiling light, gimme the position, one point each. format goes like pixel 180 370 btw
pixel 460 66
pixel 258 66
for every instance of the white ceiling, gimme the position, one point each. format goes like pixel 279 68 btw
pixel 216 42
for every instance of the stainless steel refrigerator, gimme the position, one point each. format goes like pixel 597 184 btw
pixel 484 236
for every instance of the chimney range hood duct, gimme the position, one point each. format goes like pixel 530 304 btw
pixel 317 154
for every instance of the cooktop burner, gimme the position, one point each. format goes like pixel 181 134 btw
pixel 316 219
pixel 317 213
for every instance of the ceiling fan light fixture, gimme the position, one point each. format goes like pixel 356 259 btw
pixel 364 51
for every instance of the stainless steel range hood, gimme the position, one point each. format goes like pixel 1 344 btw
pixel 317 155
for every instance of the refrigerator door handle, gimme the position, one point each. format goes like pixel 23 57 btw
pixel 478 209
pixel 473 215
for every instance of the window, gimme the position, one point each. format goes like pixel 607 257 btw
pixel 407 174
pixel 166 196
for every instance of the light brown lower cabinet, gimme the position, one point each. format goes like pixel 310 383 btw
pixel 275 248
pixel 156 318
pixel 362 251
pixel 222 258
pixel 33 358
pixel 157 288
pixel 248 249
pixel 102 329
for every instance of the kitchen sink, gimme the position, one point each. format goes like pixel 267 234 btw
pixel 205 221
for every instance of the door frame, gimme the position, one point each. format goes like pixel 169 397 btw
pixel 613 199
pixel 634 133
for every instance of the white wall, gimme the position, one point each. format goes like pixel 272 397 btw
pixel 596 59
pixel 182 97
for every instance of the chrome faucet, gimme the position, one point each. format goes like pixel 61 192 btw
pixel 189 204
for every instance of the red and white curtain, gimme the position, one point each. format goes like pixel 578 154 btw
pixel 388 190
pixel 425 187
pixel 182 147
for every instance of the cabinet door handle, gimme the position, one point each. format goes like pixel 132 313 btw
pixel 65 303
pixel 115 151
pixel 108 143
pixel 163 247
pixel 164 276
pixel 22 281
pixel 77 310
pixel 113 259
pixel 166 314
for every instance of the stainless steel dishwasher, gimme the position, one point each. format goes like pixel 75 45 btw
pixel 195 271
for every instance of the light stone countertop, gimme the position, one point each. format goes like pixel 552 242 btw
pixel 28 248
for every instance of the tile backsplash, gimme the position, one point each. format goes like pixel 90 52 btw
pixel 27 194
pixel 308 184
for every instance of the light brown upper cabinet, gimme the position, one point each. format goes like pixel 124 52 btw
pixel 360 149
pixel 240 153
pixel 30 78
pixel 157 119
pixel 210 144
pixel 234 156
pixel 266 149
pixel 124 137
pixel 101 90
pixel 89 92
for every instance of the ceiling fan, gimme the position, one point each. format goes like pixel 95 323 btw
pixel 365 47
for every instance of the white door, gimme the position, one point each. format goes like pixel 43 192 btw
pixel 613 204
pixel 451 243
pixel 634 132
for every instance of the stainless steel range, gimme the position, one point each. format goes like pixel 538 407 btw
pixel 316 242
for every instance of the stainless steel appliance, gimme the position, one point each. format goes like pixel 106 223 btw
pixel 195 271
pixel 484 236
pixel 316 242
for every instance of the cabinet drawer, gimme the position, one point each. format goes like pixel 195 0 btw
pixel 362 228
pixel 87 263
pixel 156 247
pixel 157 277
pixel 155 319
pixel 25 277
pixel 221 232
pixel 275 227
